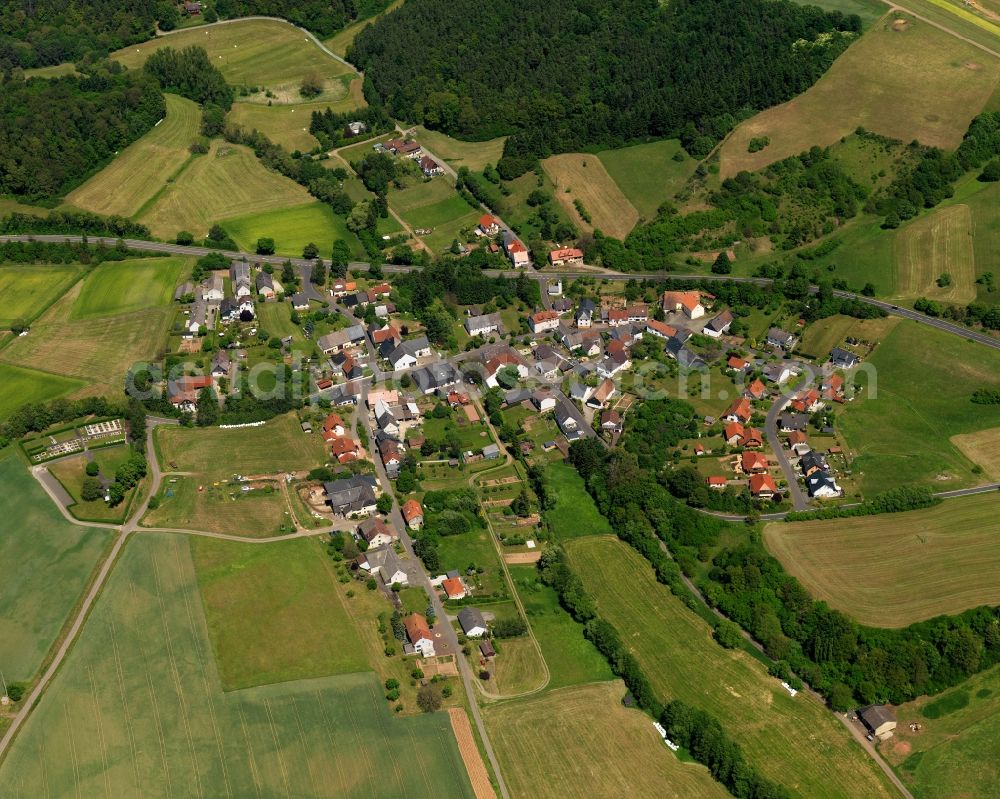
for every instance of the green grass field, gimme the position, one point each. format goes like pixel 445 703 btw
pixel 575 513
pixel 920 564
pixel 97 351
pixel 273 613
pixel 581 743
pixel 928 86
pixel 228 181
pixel 19 386
pixel 248 52
pixel 580 177
pixel 937 243
pixel 292 229
pixel 958 17
pixel 647 174
pixel 793 741
pixel 280 445
pixel 901 436
pixel 434 204
pixel 571 658
pixel 984 202
pixel 138 710
pixel 952 753
pixel 276 319
pixel 119 287
pixel 457 153
pixel 48 563
pixel 55 71
pixel 220 509
pixel 143 169
pixel 26 291
pixel 824 334
pixel 71 472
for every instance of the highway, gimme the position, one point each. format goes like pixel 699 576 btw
pixel 976 336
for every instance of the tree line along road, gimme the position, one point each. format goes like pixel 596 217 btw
pixel 178 249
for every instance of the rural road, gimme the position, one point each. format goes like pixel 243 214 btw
pixel 799 501
pixel 177 249
pixel 443 625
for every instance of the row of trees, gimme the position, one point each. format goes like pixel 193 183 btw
pixel 599 71
pixel 846 662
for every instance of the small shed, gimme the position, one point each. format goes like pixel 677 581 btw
pixel 487 651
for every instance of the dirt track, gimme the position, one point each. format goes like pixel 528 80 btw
pixel 522 557
pixel 478 776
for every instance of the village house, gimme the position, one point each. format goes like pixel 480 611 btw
pixel 454 588
pixel 611 421
pixel 221 364
pixel 483 325
pixel 419 635
pixel 602 394
pixel 842 359
pixel 352 129
pixel 753 463
pixel 213 289
pixel 787 422
pixel 413 514
pixel 777 373
pixel 435 376
pixel 543 400
pixel 567 423
pixel 407 354
pixel 554 289
pixel 584 316
pixel 342 287
pixel 763 486
pixel 515 249
pixel 821 485
pixel 340 340
pixel 781 339
pixel 430 167
pixel 660 329
pixel 756 390
pixel 687 302
pixel 489 225
pixel 300 301
pixel 345 449
pixel 718 326
pixel 265 285
pixel 380 335
pixel 384 562
pixel 812 462
pixel 569 256
pixel 739 411
pixel 352 495
pixel 542 321
pixel 617 317
pixel 377 533
pixel 472 622
pixel 405 149
pixel 587 343
pixel 798 442
pixel 737 364
pixel 832 387
pixel 716 483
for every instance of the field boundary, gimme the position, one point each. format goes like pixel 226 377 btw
pixel 471 756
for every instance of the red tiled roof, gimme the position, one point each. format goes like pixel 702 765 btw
pixel 752 461
pixel 453 586
pixel 416 628
pixel 411 510
pixel 736 363
pixel 762 482
pixel 714 480
pixel 741 409
pixel 757 389
pixel 662 328
pixel 562 255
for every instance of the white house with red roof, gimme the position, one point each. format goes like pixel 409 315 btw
pixel 686 302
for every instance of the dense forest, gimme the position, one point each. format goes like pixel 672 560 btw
pixel 322 17
pixel 848 663
pixel 54 133
pixel 567 74
pixel 37 33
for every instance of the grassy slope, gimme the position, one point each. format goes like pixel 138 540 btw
pixel 953 754
pixel 96 351
pixel 53 560
pixel 925 379
pixel 20 386
pixel 583 178
pixel 226 182
pixel 28 290
pixel 141 170
pixel 139 710
pixel 937 243
pixel 571 658
pixel 292 229
pixel 273 613
pixel 472 154
pixel 247 52
pixel 920 90
pixel 796 742
pixel 647 174
pixel 580 743
pixel 916 565
pixel 574 513
pixel 277 446
pixel 119 287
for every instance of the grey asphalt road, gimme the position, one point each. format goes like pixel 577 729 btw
pixel 799 500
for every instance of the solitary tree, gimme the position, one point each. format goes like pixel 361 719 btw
pixel 310 251
pixel 312 85
pixel 722 265
pixel 428 699
pixel 91 489
pixel 265 246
